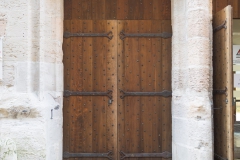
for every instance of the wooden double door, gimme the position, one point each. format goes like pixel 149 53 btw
pixel 117 89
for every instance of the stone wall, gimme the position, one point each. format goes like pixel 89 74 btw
pixel 32 84
pixel 192 80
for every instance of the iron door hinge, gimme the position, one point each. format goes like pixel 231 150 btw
pixel 68 93
pixel 150 35
pixel 220 91
pixel 145 155
pixel 164 93
pixel 221 26
pixel 88 155
pixel 108 35
pixel 216 156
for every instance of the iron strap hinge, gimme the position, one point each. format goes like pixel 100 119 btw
pixel 88 155
pixel 219 157
pixel 221 26
pixel 108 35
pixel 153 35
pixel 220 91
pixel 164 93
pixel 145 155
pixel 68 93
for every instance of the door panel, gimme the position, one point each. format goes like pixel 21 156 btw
pixel 98 125
pixel 144 65
pixel 222 84
pixel 90 66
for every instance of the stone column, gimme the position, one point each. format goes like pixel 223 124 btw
pixel 192 80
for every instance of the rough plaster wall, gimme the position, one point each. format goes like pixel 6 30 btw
pixel 32 79
pixel 191 80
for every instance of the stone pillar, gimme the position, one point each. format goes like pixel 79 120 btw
pixel 32 82
pixel 192 80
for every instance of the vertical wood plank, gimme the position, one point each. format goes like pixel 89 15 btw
pixel 94 9
pixel 86 126
pixel 214 6
pixel 147 10
pixel 157 12
pixel 111 9
pixel 120 84
pixel 98 9
pixel 238 8
pixel 86 9
pixel 146 86
pixel 99 84
pixel 76 137
pixel 122 9
pixel 76 9
pixel 142 10
pixel 166 9
pixel 157 109
pixel 112 85
pixel 166 85
pixel 67 9
pixel 133 10
pixel 132 83
pixel 67 55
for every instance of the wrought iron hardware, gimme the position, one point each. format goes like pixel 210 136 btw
pixel 108 35
pixel 219 157
pixel 68 93
pixel 88 155
pixel 154 35
pixel 217 107
pixel 164 93
pixel 220 91
pixel 145 155
pixel 223 25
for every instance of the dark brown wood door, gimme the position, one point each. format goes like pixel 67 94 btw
pixel 144 65
pixel 222 84
pixel 117 101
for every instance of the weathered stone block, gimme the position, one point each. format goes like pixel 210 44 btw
pixel 199 79
pixel 8 149
pixel 198 4
pixel 199 52
pixel 198 24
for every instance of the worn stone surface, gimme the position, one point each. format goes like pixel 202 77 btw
pixel 32 82
pixel 192 80
pixel 8 149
